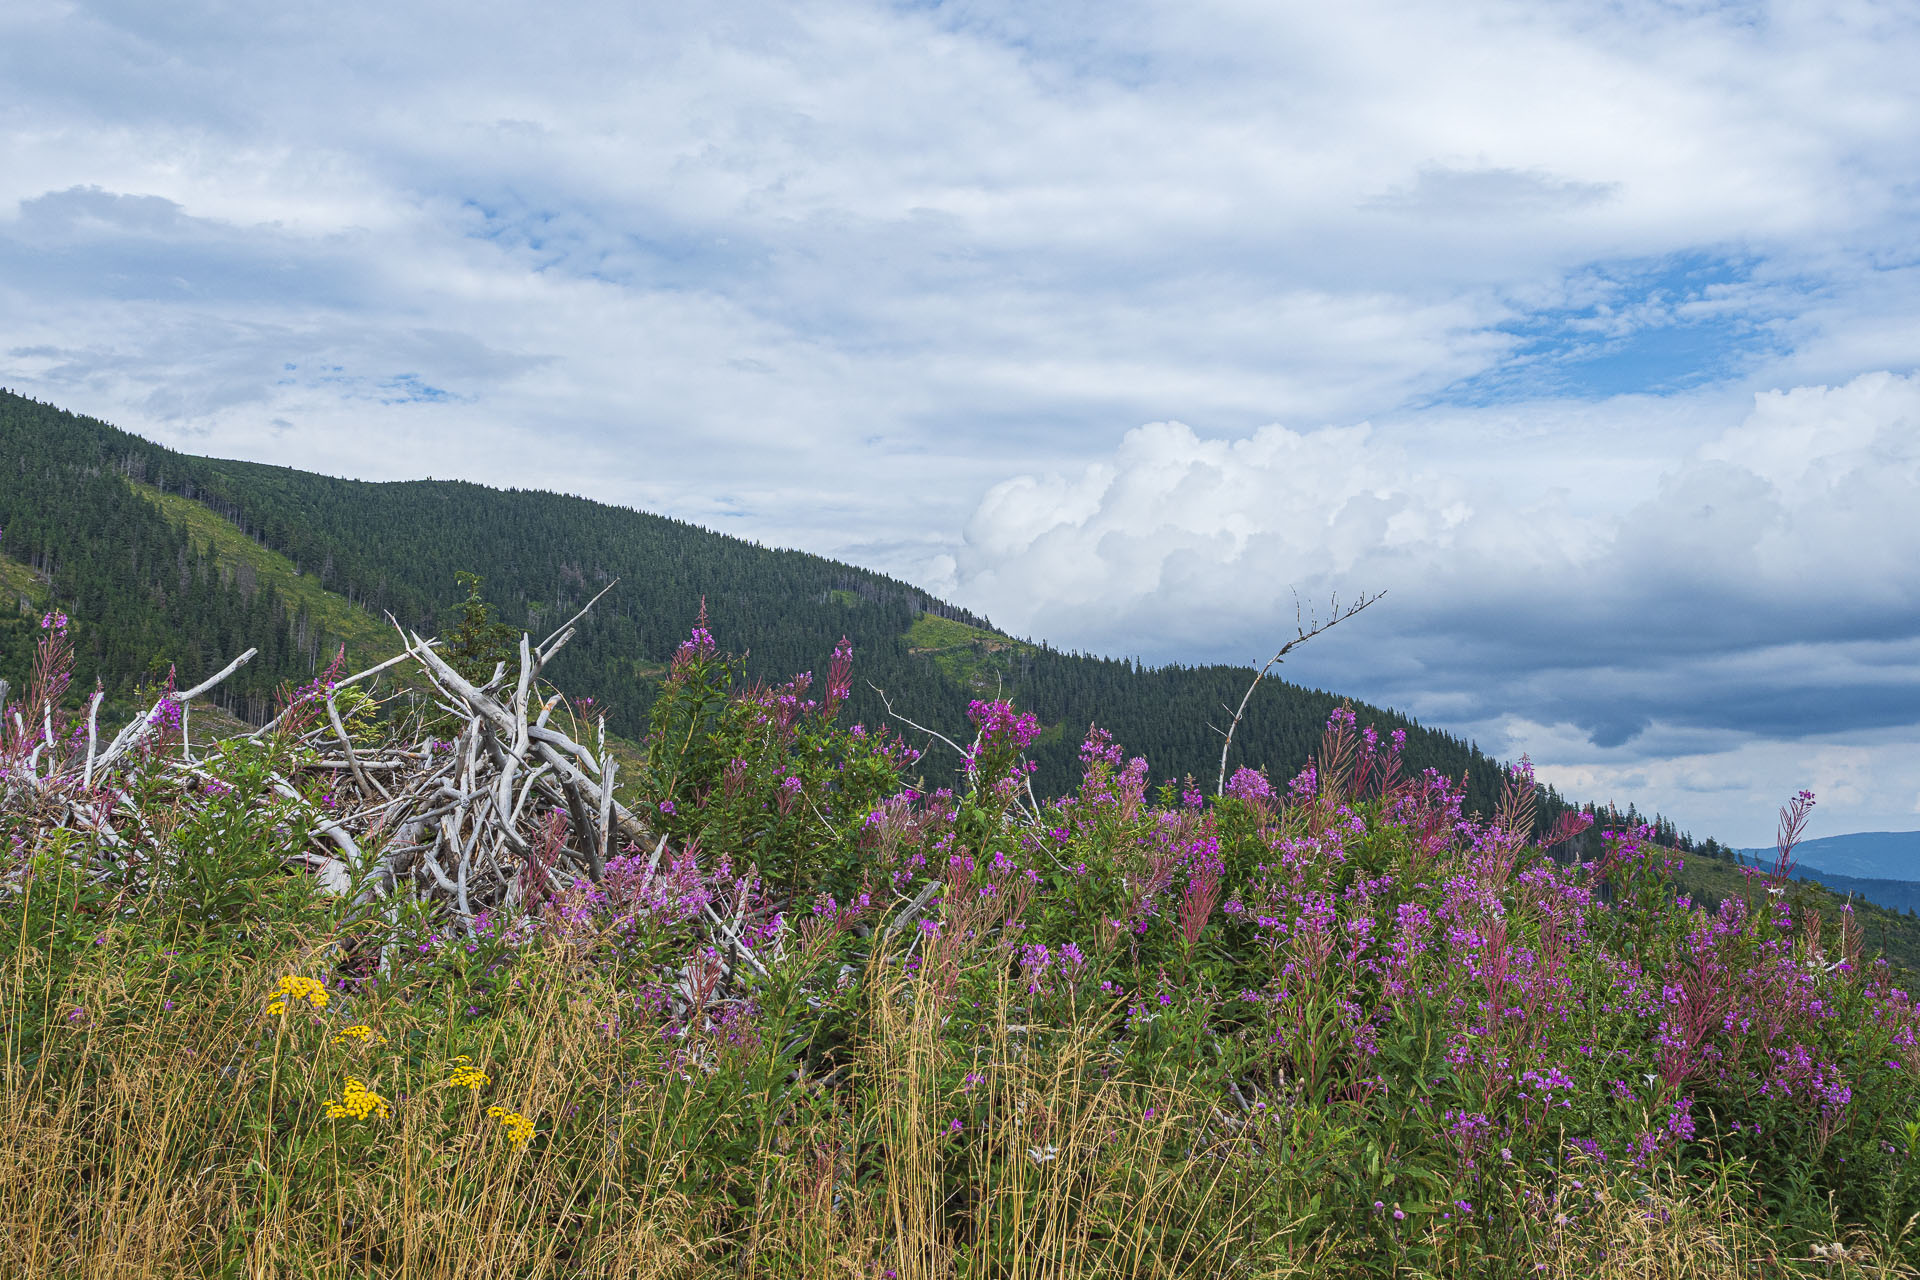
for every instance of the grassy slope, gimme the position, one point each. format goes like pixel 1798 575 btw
pixel 1078 1149
pixel 368 639
pixel 972 656
pixel 17 582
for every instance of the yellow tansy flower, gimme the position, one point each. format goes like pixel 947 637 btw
pixel 519 1128
pixel 467 1077
pixel 361 1034
pixel 292 989
pixel 357 1102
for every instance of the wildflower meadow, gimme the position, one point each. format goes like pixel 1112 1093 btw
pixel 847 1009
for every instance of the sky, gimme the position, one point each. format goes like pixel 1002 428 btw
pixel 1587 332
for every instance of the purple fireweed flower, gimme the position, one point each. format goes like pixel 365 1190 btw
pixel 840 675
pixel 1035 959
pixel 1001 725
pixel 1680 1119
pixel 1249 784
pixel 1793 822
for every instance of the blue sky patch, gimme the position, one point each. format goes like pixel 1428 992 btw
pixel 1640 326
pixel 410 388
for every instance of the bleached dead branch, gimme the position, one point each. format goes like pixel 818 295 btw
pixel 1303 632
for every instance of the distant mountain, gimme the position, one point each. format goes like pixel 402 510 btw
pixel 1865 855
pixel 1895 895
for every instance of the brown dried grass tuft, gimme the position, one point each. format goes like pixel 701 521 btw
pixel 1630 1229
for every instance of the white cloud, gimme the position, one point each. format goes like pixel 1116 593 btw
pixel 1762 589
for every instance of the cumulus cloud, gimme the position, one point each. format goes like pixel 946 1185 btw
pixel 1762 587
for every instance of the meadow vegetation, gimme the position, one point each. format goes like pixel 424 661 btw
pixel 850 1012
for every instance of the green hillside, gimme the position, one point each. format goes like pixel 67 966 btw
pixel 162 558
pixel 20 587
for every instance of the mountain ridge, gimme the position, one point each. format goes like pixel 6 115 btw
pixel 1860 855
pixel 121 532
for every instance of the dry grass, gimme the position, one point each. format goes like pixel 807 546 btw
pixel 1635 1228
pixel 192 1141
pixel 152 1150
pixel 1079 1172
pixel 148 1141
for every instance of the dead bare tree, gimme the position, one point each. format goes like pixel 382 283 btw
pixel 1303 632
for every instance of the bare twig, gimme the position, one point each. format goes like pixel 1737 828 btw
pixel 553 643
pixel 140 726
pixel 599 864
pixel 912 910
pixel 1303 632
pixel 912 725
pixel 346 745
pixel 398 658
pixel 216 677
pixel 93 733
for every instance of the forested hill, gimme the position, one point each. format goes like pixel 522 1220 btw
pixel 161 557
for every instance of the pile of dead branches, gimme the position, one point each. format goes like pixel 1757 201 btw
pixel 505 804
pixel 54 772
pixel 486 805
